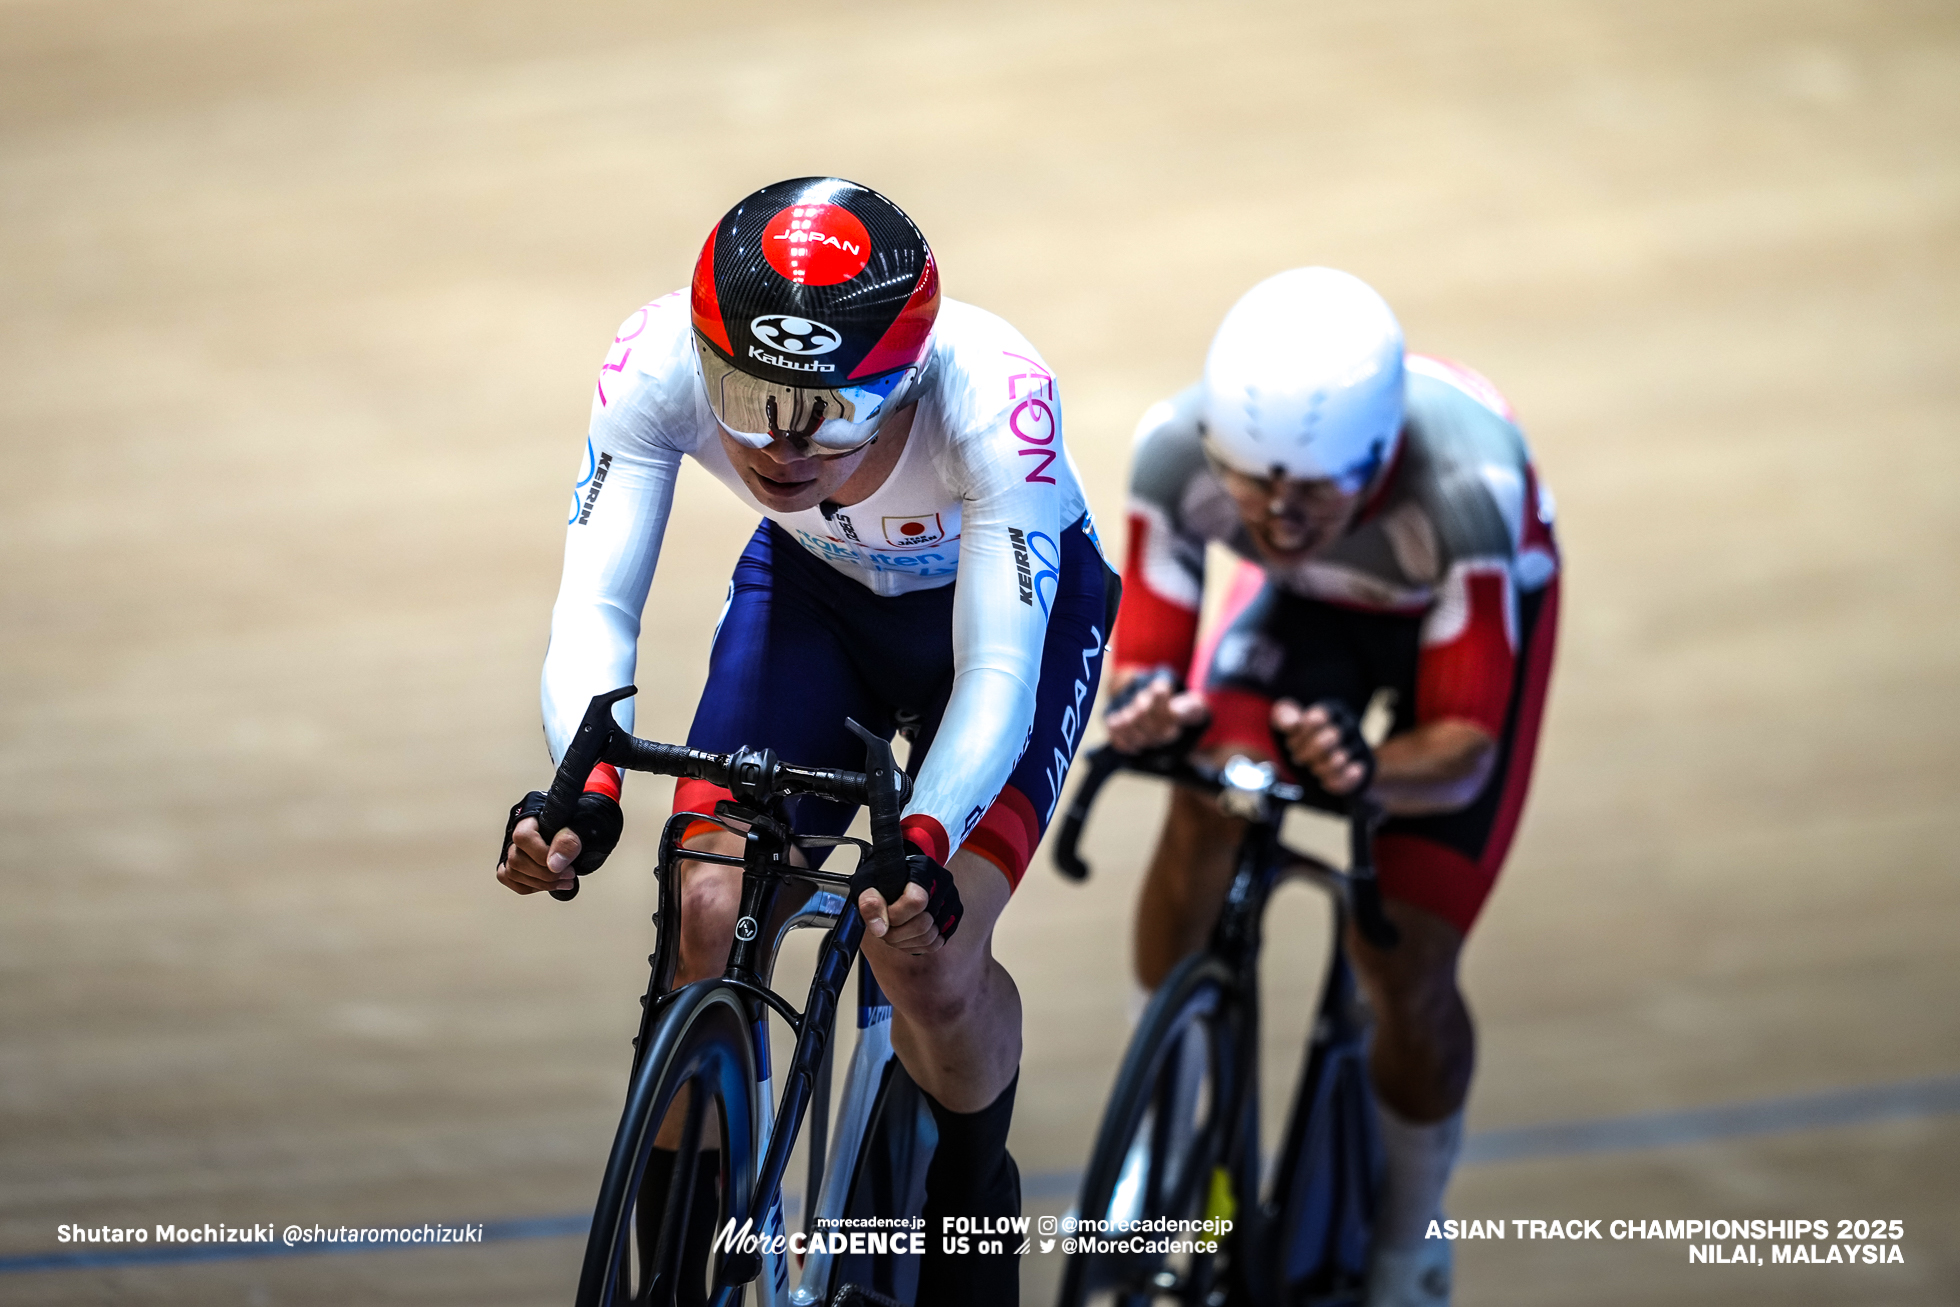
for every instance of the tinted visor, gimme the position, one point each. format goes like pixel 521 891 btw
pixel 829 420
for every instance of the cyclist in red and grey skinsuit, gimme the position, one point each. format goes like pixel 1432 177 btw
pixel 1435 578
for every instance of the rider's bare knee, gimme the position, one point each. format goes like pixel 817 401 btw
pixel 926 990
pixel 1412 985
pixel 1194 821
pixel 710 897
pixel 938 1007
pixel 1195 812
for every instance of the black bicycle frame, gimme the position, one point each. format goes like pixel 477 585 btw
pixel 1263 861
pixel 766 872
pixel 760 782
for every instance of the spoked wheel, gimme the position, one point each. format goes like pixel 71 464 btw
pixel 658 1211
pixel 1160 1149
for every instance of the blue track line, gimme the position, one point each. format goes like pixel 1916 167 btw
pixel 1934 1096
pixel 1909 1100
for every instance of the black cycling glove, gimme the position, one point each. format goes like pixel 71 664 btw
pixel 942 895
pixel 1353 744
pixel 596 820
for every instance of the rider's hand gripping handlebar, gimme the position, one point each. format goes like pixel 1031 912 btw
pixel 600 738
pixel 752 775
pixel 587 750
pixel 886 789
pixel 1363 816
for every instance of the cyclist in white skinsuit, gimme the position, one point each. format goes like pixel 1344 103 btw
pixel 925 560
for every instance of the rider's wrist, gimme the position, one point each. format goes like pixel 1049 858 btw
pixel 604 779
pixel 1129 687
pixel 927 836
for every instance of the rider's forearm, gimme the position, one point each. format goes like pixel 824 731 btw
pixel 611 547
pixel 1439 766
pixel 593 647
pixel 979 740
pixel 1009 574
pixel 1163 589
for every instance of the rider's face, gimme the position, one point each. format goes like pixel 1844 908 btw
pixel 1290 518
pixel 787 481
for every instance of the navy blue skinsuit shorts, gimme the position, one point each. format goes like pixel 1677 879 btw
pixel 801 647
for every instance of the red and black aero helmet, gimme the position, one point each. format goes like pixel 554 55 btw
pixel 813 306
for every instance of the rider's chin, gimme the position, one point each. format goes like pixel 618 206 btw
pixel 785 493
pixel 1291 540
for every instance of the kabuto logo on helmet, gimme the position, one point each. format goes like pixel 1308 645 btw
pixel 795 335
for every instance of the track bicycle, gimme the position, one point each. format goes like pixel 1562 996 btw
pixel 1179 1138
pixel 702 1054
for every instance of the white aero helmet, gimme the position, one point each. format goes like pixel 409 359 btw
pixel 1304 378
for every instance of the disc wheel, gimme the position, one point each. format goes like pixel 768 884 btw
pixel 651 1229
pixel 1328 1188
pixel 888 1181
pixel 1160 1149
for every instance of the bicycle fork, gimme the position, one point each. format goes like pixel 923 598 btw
pixel 765 1215
pixel 869 1060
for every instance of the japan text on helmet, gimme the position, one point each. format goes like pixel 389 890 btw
pixel 1304 379
pixel 813 305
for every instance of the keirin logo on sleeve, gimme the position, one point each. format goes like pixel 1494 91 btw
pixel 1028 545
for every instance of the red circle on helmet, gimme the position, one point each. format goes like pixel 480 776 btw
pixel 816 244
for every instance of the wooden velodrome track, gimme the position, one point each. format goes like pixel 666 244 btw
pixel 299 308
